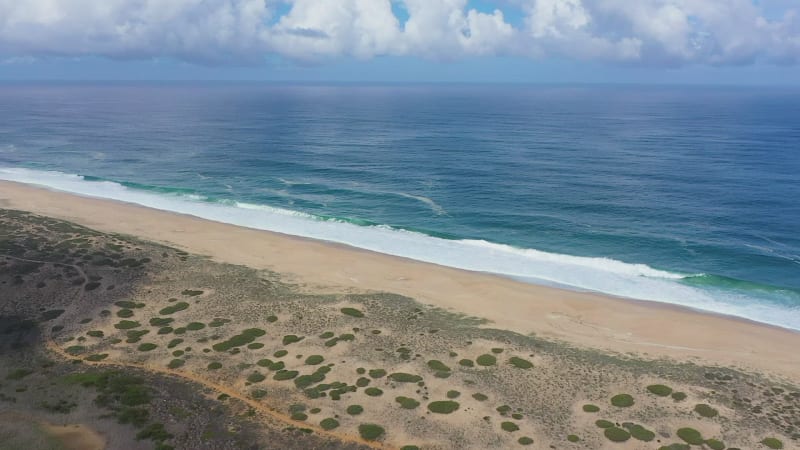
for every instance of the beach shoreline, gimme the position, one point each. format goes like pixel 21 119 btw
pixel 648 329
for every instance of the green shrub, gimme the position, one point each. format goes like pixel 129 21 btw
pixel 639 432
pixel 314 360
pixel 604 423
pixel 370 431
pixel 299 416
pixel 146 347
pixel 622 400
pixel 362 382
pixel 660 390
pixel 354 410
pixel 573 438
pixel 443 406
pixel 486 360
pixel 676 447
pixel 75 350
pixel 509 426
pixel 97 357
pixel 255 345
pixel 705 410
pixel 175 342
pixel 715 444
pixel 679 396
pixel 615 434
pixel 291 339
pixel 326 335
pixel 161 321
pixel 691 436
pixel 591 408
pixel 438 366
pixel 525 440
pixel 402 377
pixel 453 394
pixel 245 337
pixel 409 447
pixel 258 394
pixel 520 363
pixel 466 363
pixel 127 324
pixel 191 293
pixel 280 353
pixel 329 424
pixel 406 402
pixel 173 308
pixel 176 363
pixel 480 397
pixel 283 375
pixel 256 377
pixel 165 330
pixel 95 333
pixel 214 365
pixel 773 443
pixel 373 391
pixel 377 373
pixel 352 312
pixel 217 322
pixel 195 326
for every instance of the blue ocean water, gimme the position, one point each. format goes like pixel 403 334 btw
pixel 686 195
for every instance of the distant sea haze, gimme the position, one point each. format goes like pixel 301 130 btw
pixel 689 196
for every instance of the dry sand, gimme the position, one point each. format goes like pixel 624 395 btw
pixel 591 320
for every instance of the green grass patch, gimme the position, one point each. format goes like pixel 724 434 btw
pixel 352 312
pixel 217 322
pixel 125 313
pixel 362 382
pixel 255 345
pixel 589 408
pixel 191 293
pixel 690 436
pixel 127 324
pixel 615 434
pixel 195 326
pixel 705 410
pixel 176 363
pixel 407 402
pixel 773 443
pixel 95 333
pixel 525 440
pixel 573 438
pixel 466 363
pixel 480 397
pixel 97 357
pixel 283 375
pixel 256 377
pixel 291 339
pixel 715 444
pixel 245 337
pixel 354 410
pixel 377 373
pixel 373 391
pixel 161 321
pixel 129 304
pixel 329 424
pixel 509 426
pixel 453 394
pixel 486 360
pixel 520 363
pixel 622 400
pixel 679 396
pixel 438 366
pixel 214 365
pixel 443 406
pixel 676 446
pixel 402 377
pixel 173 308
pixel 370 431
pixel 165 330
pixel 659 390
pixel 75 350
pixel 603 423
pixel 174 343
pixel 326 335
pixel 146 347
pixel 280 353
pixel 314 360
pixel 639 432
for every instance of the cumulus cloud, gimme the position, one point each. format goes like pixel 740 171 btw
pixel 669 32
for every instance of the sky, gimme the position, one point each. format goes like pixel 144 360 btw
pixel 548 41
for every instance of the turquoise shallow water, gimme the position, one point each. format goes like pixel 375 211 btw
pixel 683 195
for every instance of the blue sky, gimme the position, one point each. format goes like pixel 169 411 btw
pixel 539 41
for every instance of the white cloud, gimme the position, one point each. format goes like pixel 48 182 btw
pixel 245 31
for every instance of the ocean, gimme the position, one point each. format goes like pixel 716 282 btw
pixel 683 195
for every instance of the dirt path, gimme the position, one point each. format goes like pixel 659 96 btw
pixel 259 407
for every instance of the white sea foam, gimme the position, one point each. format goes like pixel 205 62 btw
pixel 605 275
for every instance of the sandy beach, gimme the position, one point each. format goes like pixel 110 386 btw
pixel 648 329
